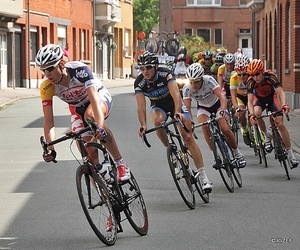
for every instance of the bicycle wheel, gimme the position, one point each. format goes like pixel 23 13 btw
pixel 135 208
pixel 281 152
pixel 95 201
pixel 234 167
pixel 151 45
pixel 172 47
pixel 234 124
pixel 196 179
pixel 181 178
pixel 223 164
pixel 259 142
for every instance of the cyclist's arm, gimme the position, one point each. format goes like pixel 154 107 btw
pixel 174 91
pixel 49 128
pixel 233 90
pixel 223 100
pixel 97 111
pixel 141 109
pixel 220 75
pixel 250 103
pixel 281 94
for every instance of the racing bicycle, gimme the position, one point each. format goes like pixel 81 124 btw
pixel 223 154
pixel 102 202
pixel 280 150
pixel 183 169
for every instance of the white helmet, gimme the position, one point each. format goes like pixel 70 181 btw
pixel 49 54
pixel 194 71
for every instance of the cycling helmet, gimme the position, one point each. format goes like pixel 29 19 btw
pixel 244 57
pixel 181 57
pixel 241 65
pixel 229 58
pixel 194 71
pixel 182 50
pixel 49 54
pixel 207 54
pixel 219 58
pixel 147 58
pixel 255 66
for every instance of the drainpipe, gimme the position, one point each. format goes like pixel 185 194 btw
pixel 28 85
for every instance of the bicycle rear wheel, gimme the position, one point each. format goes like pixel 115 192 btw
pixel 182 178
pixel 95 201
pixel 196 179
pixel 151 45
pixel 172 47
pixel 234 124
pixel 223 164
pixel 135 208
pixel 281 152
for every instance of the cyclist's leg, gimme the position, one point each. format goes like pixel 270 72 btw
pixel 157 116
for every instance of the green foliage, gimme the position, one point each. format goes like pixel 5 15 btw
pixel 145 15
pixel 195 44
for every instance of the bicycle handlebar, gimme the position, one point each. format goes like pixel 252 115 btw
pixel 163 125
pixel 269 113
pixel 92 126
pixel 210 120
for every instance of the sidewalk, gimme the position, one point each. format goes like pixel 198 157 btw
pixel 8 96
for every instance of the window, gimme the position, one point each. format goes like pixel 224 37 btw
pixel 127 43
pixel 204 33
pixel 83 45
pixel 33 43
pixel 61 34
pixel 3 48
pixel 243 2
pixel 219 37
pixel 203 2
pixel 188 31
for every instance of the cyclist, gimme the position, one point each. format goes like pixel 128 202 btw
pixel 238 91
pixel 182 55
pixel 224 73
pixel 218 62
pixel 210 99
pixel 74 83
pixel 159 85
pixel 265 91
pixel 207 61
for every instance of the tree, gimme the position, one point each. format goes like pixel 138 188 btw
pixel 145 15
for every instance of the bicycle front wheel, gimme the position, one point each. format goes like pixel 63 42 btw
pixel 223 164
pixel 196 178
pixel 182 178
pixel 95 201
pixel 135 208
pixel 281 152
pixel 259 143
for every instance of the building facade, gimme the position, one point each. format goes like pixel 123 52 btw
pixel 94 30
pixel 225 23
pixel 276 26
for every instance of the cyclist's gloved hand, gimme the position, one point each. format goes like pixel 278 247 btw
pixel 252 119
pixel 101 133
pixel 50 156
pixel 225 114
pixel 286 109
pixel 142 130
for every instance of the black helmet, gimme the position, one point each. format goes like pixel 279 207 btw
pixel 147 58
pixel 182 50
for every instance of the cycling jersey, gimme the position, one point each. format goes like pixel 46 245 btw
pixel 206 67
pixel 204 96
pixel 81 78
pixel 266 88
pixel 222 71
pixel 241 89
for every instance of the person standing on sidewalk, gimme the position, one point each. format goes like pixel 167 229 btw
pixel 159 85
pixel 75 84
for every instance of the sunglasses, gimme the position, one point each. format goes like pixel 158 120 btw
pixel 147 67
pixel 242 74
pixel 50 68
pixel 196 81
pixel 256 74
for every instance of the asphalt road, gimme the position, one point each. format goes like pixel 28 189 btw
pixel 40 208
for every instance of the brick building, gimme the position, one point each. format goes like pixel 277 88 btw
pixel 96 31
pixel 223 23
pixel 277 38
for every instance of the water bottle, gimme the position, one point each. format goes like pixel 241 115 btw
pixel 103 170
